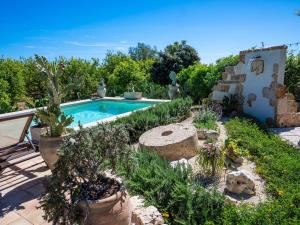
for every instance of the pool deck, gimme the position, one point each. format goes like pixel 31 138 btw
pixel 21 186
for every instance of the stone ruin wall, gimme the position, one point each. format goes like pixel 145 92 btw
pixel 258 82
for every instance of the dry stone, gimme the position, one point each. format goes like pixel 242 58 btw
pixel 174 141
pixel 201 132
pixel 212 134
pixel 182 162
pixel 142 215
pixel 240 182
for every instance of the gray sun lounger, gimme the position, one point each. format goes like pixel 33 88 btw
pixel 13 131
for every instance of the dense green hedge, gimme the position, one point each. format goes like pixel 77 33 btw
pixel 161 114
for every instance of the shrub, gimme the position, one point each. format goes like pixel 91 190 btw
pixel 211 159
pixel 222 63
pixel 279 164
pixel 35 83
pixel 79 173
pixel 13 86
pixel 206 118
pixel 198 81
pixel 124 73
pixel 172 190
pixel 153 90
pixel 233 150
pixel 230 104
pixel 161 114
pixel 5 101
pixel 80 78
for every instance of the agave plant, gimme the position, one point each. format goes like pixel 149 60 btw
pixel 52 114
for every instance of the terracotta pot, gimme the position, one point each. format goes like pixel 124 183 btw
pixel 133 95
pixel 36 133
pixel 114 210
pixel 49 147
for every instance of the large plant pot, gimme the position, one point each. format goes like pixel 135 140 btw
pixel 49 147
pixel 133 95
pixel 36 133
pixel 101 91
pixel 114 210
pixel 173 91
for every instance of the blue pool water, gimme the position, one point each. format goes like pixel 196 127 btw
pixel 96 110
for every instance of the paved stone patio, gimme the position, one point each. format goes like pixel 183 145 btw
pixel 291 134
pixel 20 187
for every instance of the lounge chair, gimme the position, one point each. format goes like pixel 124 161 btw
pixel 13 147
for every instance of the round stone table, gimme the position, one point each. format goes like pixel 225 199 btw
pixel 174 141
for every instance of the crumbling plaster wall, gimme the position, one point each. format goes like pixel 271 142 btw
pixel 258 80
pixel 263 85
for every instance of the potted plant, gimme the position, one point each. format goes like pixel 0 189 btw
pixel 39 128
pixel 82 189
pixel 131 94
pixel 52 115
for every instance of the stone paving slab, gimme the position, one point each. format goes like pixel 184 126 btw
pixel 290 134
pixel 21 186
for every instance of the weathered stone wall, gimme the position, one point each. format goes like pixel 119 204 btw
pixel 258 80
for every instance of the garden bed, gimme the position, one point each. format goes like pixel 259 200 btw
pixel 182 200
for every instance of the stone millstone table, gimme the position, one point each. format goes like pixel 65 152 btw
pixel 174 141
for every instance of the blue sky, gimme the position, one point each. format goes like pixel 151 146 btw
pixel 89 28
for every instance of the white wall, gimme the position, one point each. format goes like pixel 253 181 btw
pixel 261 108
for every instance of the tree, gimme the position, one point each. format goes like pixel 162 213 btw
pixel 35 83
pixel 126 73
pixel 292 74
pixel 4 96
pixel 198 80
pixel 298 13
pixel 142 52
pixel 221 63
pixel 175 57
pixel 80 78
pixel 12 77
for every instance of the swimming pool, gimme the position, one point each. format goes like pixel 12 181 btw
pixel 91 112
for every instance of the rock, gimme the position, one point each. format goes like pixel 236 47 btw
pixel 183 162
pixel 240 182
pixel 212 134
pixel 238 160
pixel 174 141
pixel 202 133
pixel 144 215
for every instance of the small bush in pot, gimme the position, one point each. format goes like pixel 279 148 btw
pixel 52 115
pixel 80 191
